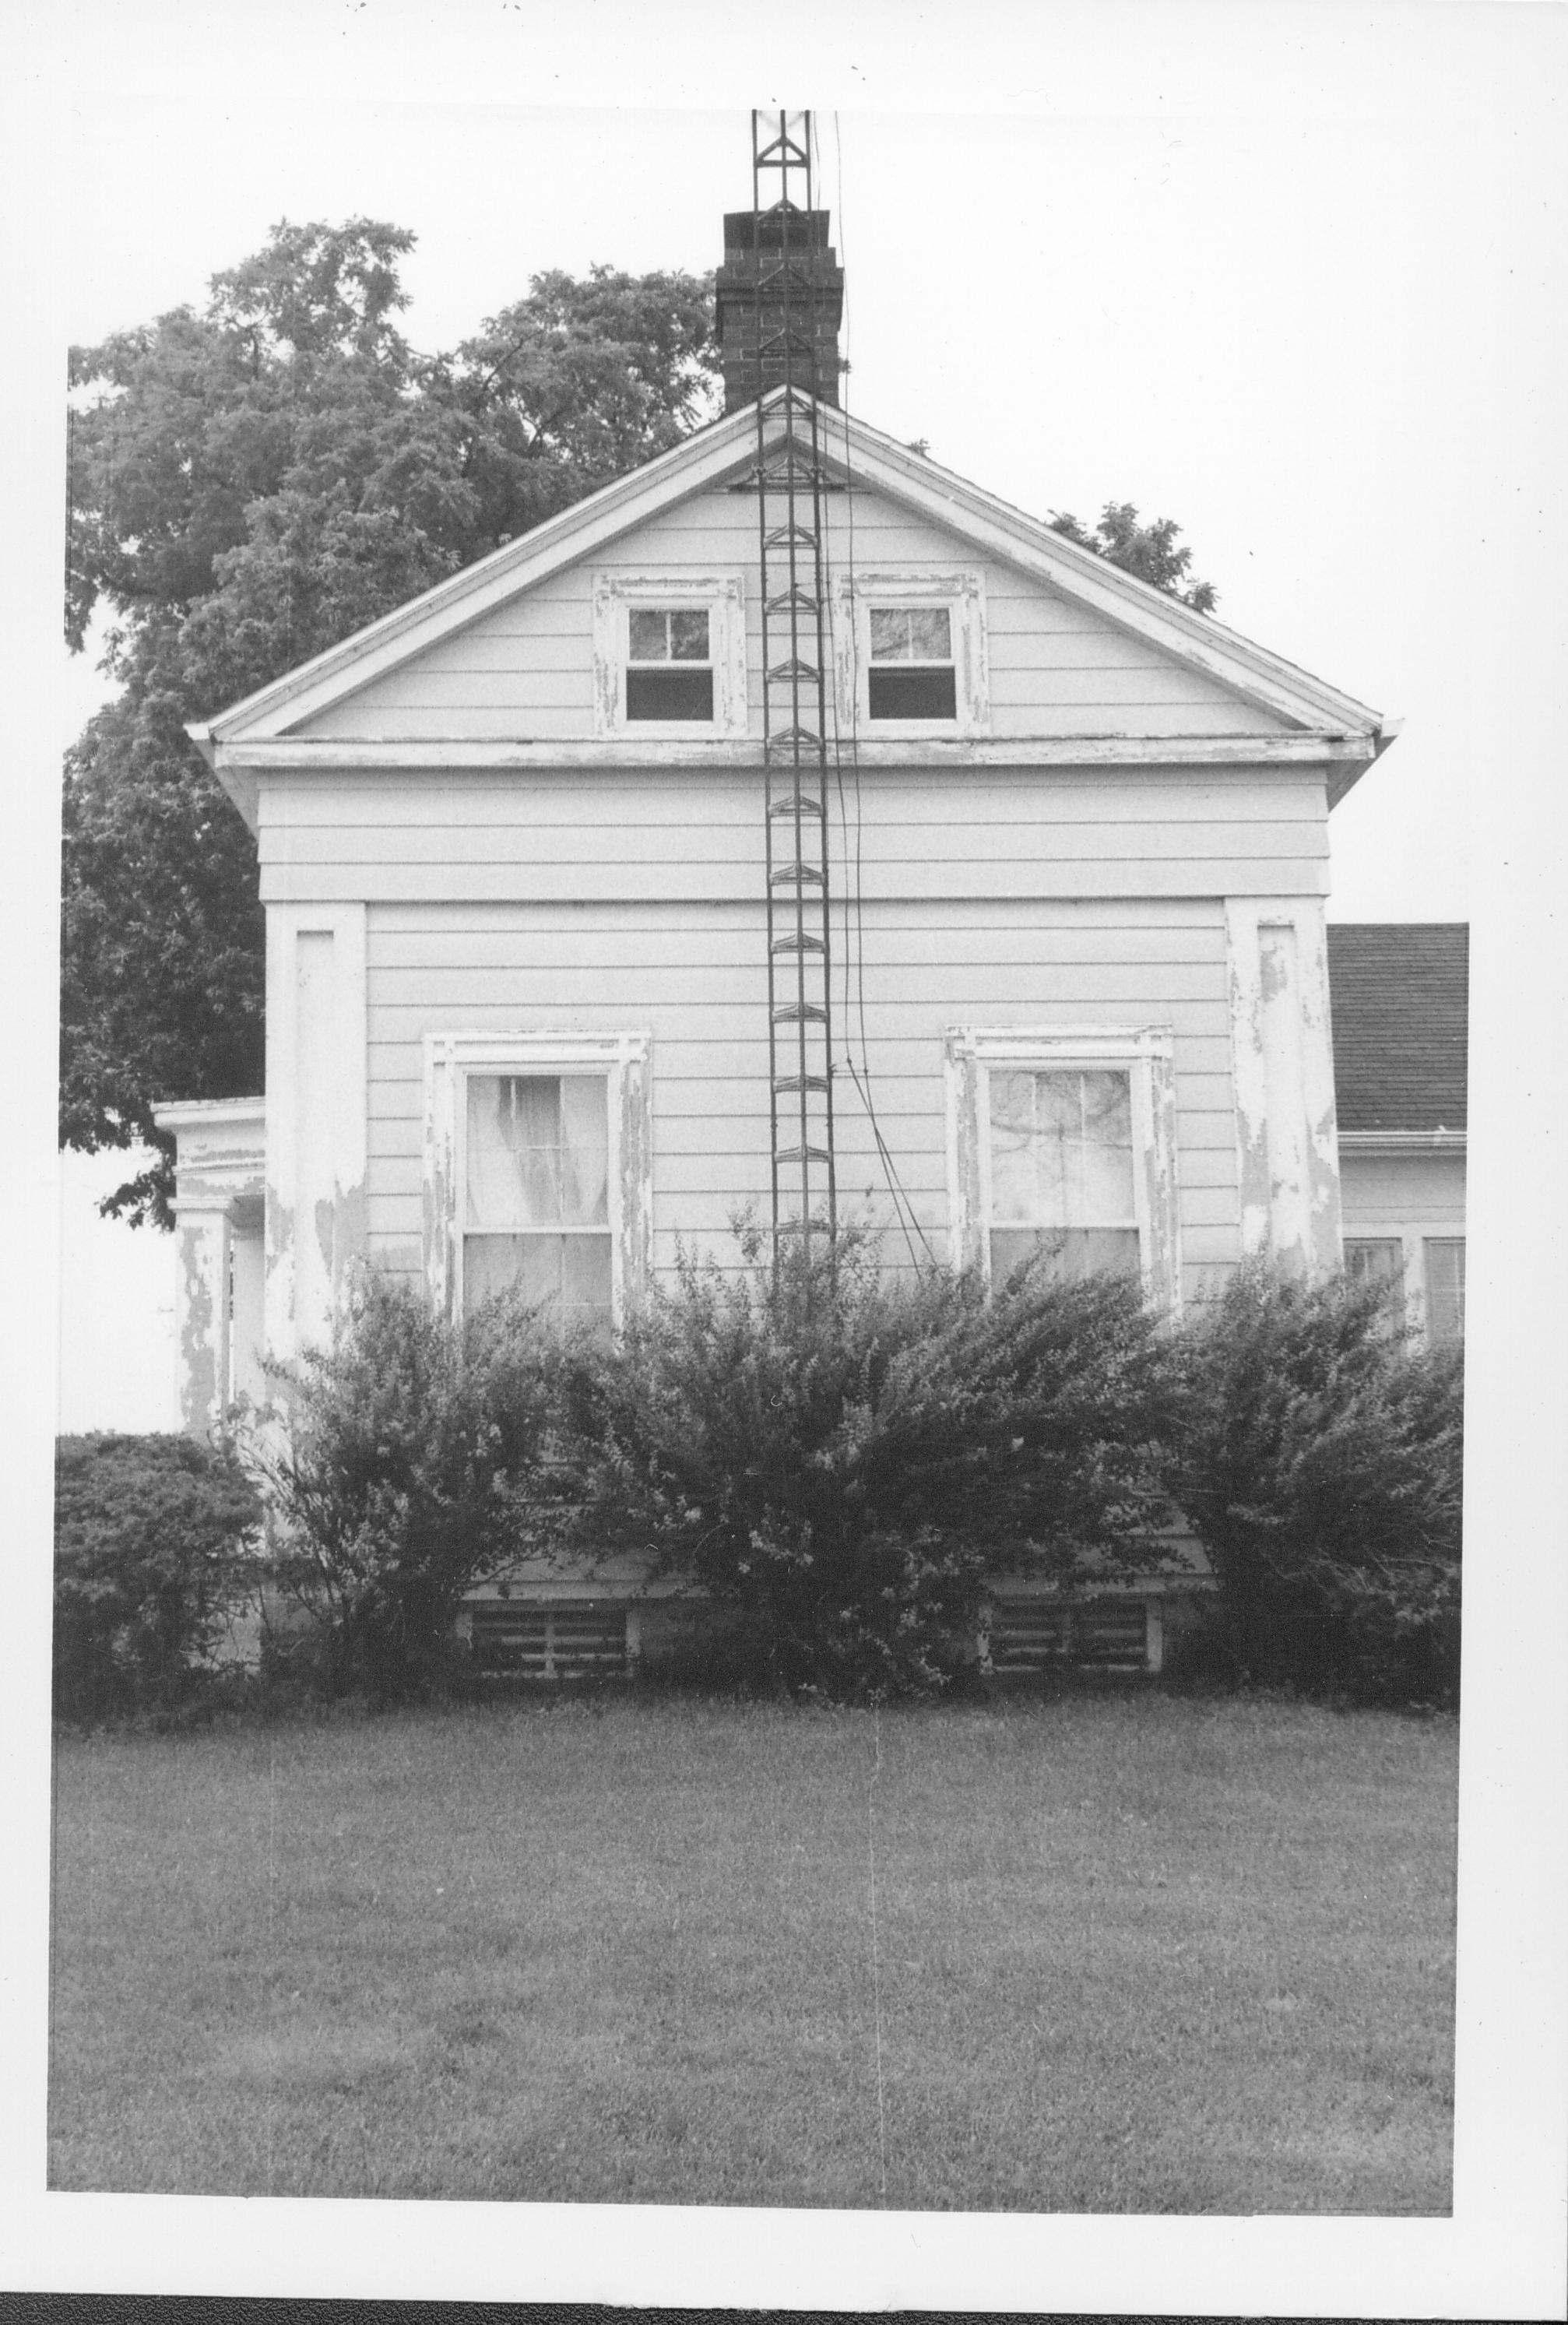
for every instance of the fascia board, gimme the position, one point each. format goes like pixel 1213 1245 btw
pixel 331 677
pixel 1232 661
pixel 249 761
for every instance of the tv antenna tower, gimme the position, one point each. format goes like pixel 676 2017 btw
pixel 788 233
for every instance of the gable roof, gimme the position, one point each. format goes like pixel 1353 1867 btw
pixel 1399 998
pixel 719 454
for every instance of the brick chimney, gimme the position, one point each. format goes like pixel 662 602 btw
pixel 816 291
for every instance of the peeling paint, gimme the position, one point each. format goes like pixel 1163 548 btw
pixel 1283 1067
pixel 198 1382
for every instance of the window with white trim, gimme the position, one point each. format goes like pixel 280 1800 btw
pixel 669 656
pixel 911 650
pixel 536 1191
pixel 669 664
pixel 538 1170
pixel 910 673
pixel 1064 1142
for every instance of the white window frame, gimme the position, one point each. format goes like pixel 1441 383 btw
pixel 1145 1053
pixel 624 1059
pixel 722 597
pixel 963 593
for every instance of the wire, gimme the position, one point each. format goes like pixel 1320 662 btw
pixel 902 1207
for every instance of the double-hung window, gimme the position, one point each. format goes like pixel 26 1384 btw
pixel 536 1191
pixel 1063 1142
pixel 912 673
pixel 669 657
pixel 669 663
pixel 911 649
pixel 537 1171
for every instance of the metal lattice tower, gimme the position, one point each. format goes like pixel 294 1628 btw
pixel 789 486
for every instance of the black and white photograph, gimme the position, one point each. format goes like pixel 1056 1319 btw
pixel 788 798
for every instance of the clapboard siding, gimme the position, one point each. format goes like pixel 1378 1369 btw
pixel 740 846
pixel 676 838
pixel 526 669
pixel 595 798
pixel 984 880
pixel 696 980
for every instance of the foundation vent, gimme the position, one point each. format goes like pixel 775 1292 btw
pixel 1034 1635
pixel 573 1640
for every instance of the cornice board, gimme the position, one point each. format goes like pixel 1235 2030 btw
pixel 302 755
pixel 706 460
pixel 242 767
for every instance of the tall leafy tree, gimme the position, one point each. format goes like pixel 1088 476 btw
pixel 248 483
pixel 1148 551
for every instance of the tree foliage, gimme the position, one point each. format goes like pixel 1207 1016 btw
pixel 1147 552
pixel 250 483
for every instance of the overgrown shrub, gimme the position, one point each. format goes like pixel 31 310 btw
pixel 1320 1458
pixel 848 1456
pixel 414 1462
pixel 154 1556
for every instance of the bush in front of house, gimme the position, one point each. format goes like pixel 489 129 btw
pixel 845 1457
pixel 412 1462
pixel 154 1555
pixel 1320 1458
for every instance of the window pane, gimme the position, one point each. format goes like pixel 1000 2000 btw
pixel 889 634
pixel 688 637
pixel 1374 1258
pixel 1445 1288
pixel 1062 1152
pixel 648 630
pixel 911 694
pixel 538 1151
pixel 570 1274
pixel 670 694
pixel 929 633
pixel 1072 1252
pixel 911 633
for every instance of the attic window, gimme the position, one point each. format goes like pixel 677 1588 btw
pixel 912 673
pixel 669 663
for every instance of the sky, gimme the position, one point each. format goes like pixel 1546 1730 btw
pixel 1290 275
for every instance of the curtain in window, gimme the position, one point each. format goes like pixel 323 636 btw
pixel 1062 1171
pixel 538 1162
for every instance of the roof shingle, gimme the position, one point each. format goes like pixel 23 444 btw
pixel 1399 994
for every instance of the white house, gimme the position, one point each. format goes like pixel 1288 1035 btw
pixel 515 859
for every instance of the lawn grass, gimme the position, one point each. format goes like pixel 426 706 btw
pixel 1131 1953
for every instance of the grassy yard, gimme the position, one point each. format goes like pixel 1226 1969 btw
pixel 1131 1953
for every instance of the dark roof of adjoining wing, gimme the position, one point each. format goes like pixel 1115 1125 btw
pixel 1399 993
